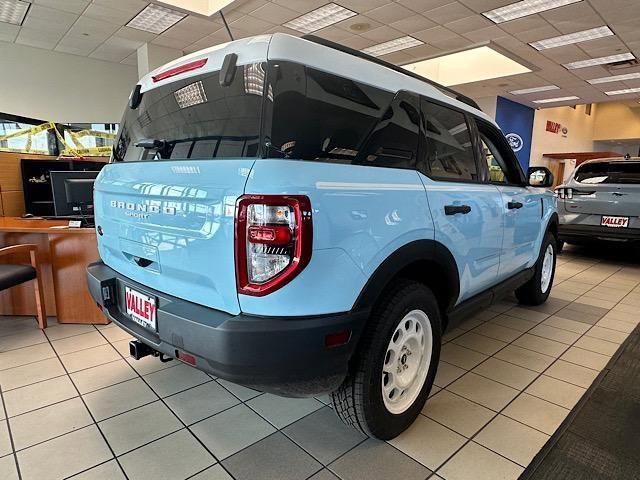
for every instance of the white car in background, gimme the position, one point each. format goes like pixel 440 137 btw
pixel 601 202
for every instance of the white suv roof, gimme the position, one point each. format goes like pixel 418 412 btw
pixel 280 46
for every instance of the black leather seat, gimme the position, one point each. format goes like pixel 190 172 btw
pixel 12 275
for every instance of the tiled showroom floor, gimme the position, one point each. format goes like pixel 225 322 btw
pixel 77 405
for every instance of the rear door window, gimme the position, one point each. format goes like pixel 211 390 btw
pixel 196 118
pixel 609 172
pixel 502 164
pixel 448 147
pixel 319 116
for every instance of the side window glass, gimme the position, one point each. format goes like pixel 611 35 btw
pixel 449 151
pixel 497 172
pixel 394 141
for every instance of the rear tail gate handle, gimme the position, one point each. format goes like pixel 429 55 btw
pixel 511 205
pixel 454 209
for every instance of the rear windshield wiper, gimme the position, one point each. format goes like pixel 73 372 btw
pixel 151 143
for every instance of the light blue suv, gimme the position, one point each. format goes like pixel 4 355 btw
pixel 301 218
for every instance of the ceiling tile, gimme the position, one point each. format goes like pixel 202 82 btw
pixel 93 28
pixel 525 24
pixel 390 13
pixel 449 13
pixel 131 6
pixel 359 20
pixel 565 54
pixel 135 34
pixel 361 6
pixel 382 34
pixel 8 32
pixel 334 34
pixel 455 43
pixel 38 38
pixel 73 6
pixel 131 60
pixel 399 58
pixel 358 42
pixel 49 18
pixel 415 23
pixel 77 45
pixel 251 25
pixel 108 14
pixel 485 34
pixel 481 6
pixel 421 6
pixel 434 34
pixel 469 24
pixel 302 6
pixel 249 6
pixel 276 14
pixel 177 43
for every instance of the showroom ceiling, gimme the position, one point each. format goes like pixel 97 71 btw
pixel 421 28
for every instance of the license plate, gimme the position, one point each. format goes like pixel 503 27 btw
pixel 614 222
pixel 140 307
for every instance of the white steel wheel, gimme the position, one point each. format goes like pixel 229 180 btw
pixel 407 362
pixel 547 269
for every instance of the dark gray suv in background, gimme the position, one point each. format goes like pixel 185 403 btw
pixel 601 201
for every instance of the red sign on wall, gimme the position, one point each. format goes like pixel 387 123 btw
pixel 553 127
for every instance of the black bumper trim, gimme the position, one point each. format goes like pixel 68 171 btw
pixel 585 233
pixel 282 355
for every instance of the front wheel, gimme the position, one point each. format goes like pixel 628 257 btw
pixel 537 290
pixel 394 367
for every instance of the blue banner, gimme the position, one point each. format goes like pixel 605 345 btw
pixel 516 121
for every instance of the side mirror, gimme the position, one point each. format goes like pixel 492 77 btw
pixel 540 177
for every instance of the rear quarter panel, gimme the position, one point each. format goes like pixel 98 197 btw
pixel 360 216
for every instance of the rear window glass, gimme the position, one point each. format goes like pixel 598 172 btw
pixel 609 172
pixel 196 118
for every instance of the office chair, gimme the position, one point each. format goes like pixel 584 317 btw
pixel 12 274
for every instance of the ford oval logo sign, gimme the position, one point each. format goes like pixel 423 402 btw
pixel 515 141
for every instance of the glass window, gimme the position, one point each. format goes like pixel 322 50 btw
pixel 449 151
pixel 94 138
pixel 497 173
pixel 196 118
pixel 609 172
pixel 25 136
pixel 319 116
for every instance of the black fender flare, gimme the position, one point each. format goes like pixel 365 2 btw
pixel 412 253
pixel 553 224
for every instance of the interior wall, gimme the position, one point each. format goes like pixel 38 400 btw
pixel 579 137
pixel 617 121
pixel 61 87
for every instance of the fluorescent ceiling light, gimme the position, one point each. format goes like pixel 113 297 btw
pixel 557 99
pixel 525 91
pixel 155 19
pixel 474 65
pixel 623 92
pixel 202 7
pixel 320 18
pixel 393 46
pixel 13 11
pixel 190 95
pixel 615 78
pixel 524 8
pixel 592 62
pixel 571 38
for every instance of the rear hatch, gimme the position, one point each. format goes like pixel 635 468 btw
pixel 605 188
pixel 166 202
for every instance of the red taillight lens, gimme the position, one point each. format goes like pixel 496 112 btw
pixel 187 67
pixel 273 241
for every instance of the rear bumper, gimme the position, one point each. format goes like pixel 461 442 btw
pixel 585 233
pixel 282 355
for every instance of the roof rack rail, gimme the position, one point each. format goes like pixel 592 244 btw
pixel 446 90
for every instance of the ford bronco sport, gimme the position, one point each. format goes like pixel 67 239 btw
pixel 298 217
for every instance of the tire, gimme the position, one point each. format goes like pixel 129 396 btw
pixel 406 309
pixel 534 292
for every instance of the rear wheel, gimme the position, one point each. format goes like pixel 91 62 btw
pixel 536 291
pixel 395 365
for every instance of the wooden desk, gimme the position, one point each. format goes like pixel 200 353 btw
pixel 63 255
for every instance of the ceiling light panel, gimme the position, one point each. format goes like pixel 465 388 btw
pixel 320 18
pixel 524 8
pixel 592 62
pixel 615 78
pixel 190 95
pixel 571 38
pixel 13 11
pixel 623 92
pixel 155 19
pixel 526 91
pixel 393 46
pixel 557 99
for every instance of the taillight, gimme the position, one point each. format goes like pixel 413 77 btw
pixel 564 193
pixel 186 67
pixel 273 241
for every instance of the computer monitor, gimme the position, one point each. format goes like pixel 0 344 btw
pixel 73 193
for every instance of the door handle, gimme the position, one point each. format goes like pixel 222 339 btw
pixel 453 209
pixel 512 205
